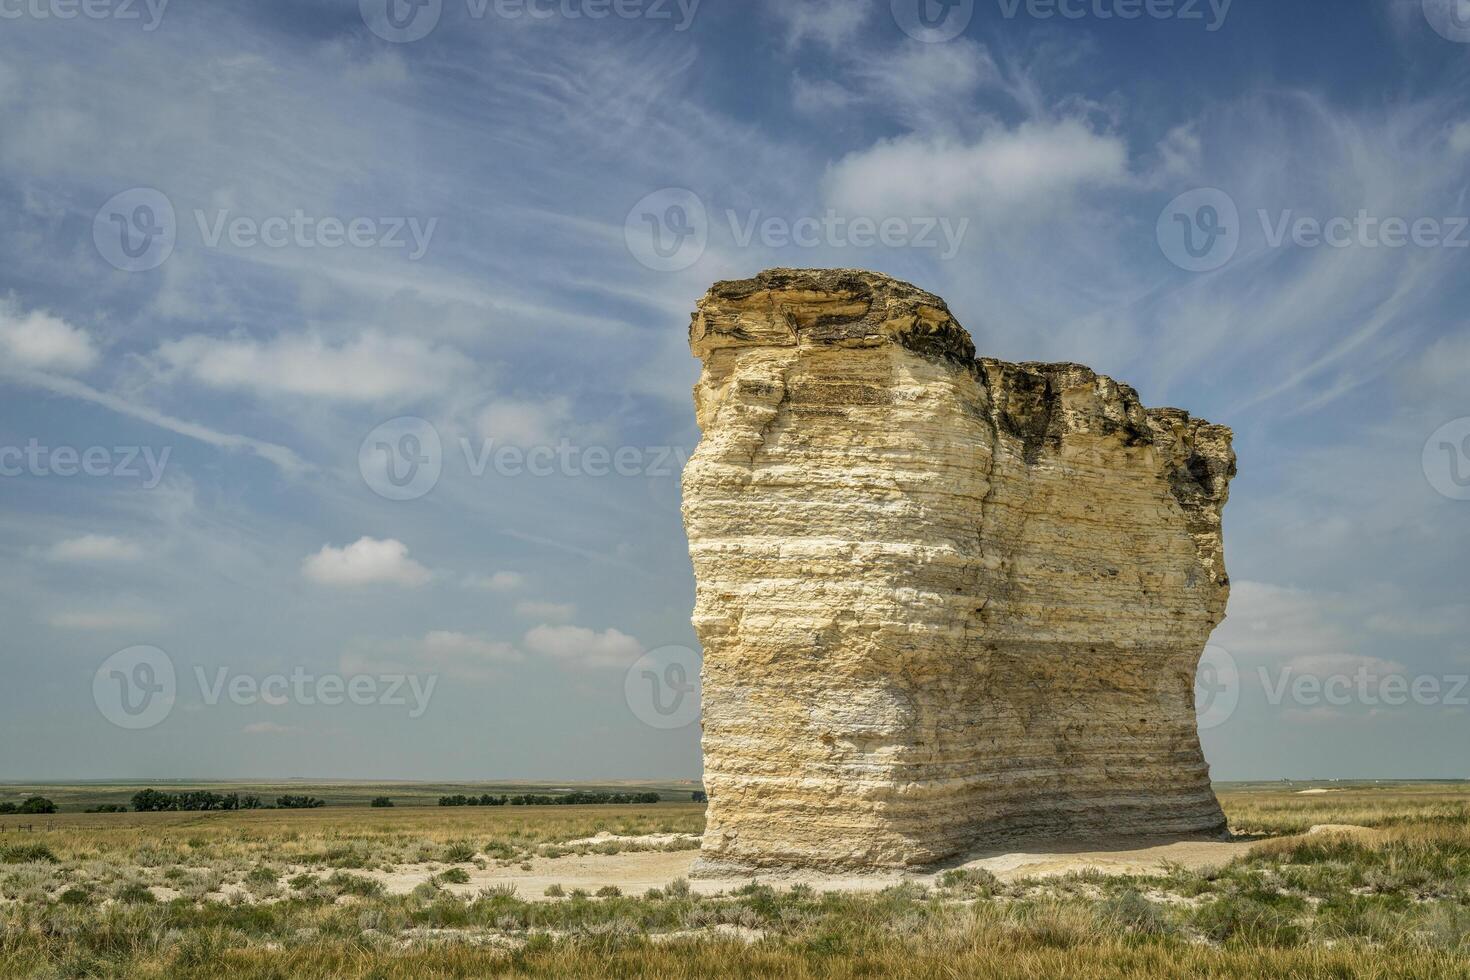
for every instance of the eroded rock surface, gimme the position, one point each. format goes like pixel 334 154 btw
pixel 945 602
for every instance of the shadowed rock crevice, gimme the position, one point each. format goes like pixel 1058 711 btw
pixel 945 602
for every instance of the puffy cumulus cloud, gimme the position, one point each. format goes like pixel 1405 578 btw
pixel 367 368
pixel 367 561
pixel 496 582
pixel 42 342
pixel 95 548
pixel 578 646
pixel 929 175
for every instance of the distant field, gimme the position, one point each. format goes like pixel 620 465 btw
pixel 423 891
pixel 81 796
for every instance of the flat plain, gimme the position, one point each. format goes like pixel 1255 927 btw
pixel 1324 879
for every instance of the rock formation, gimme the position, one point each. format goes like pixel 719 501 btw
pixel 945 602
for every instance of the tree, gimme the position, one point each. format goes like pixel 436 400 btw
pixel 37 804
pixel 381 801
pixel 699 796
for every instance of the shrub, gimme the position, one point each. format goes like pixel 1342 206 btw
pixel 75 896
pixel 459 852
pixel 299 802
pixel 609 891
pixel 347 884
pixel 134 893
pixel 26 854
pixel 1135 913
pixel 554 891
pixel 976 880
pixel 454 876
pixel 109 808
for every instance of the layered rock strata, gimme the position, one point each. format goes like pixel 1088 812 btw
pixel 946 602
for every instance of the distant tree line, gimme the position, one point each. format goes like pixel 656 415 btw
pixel 33 804
pixel 152 801
pixel 566 799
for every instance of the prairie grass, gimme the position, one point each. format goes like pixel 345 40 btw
pixel 290 894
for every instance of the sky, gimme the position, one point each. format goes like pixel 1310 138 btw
pixel 344 379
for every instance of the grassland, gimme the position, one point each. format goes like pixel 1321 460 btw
pixel 277 894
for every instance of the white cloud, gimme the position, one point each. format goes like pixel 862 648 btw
pixel 914 175
pixel 466 655
pixel 1460 137
pixel 582 647
pixel 42 342
pixel 820 96
pixel 102 620
pixel 828 22
pixel 525 423
pixel 365 562
pixel 95 547
pixel 370 367
pixel 1442 366
pixel 498 582
pixel 559 612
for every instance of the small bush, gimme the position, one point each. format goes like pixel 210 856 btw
pixel 453 876
pixel 26 854
pixel 554 891
pixel 134 893
pixel 609 891
pixel 346 884
pixel 1135 913
pixel 459 852
pixel 75 896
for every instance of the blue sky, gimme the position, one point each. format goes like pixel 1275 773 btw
pixel 493 177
